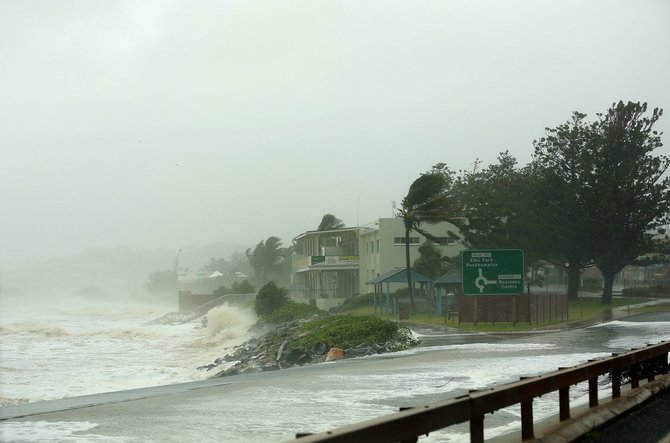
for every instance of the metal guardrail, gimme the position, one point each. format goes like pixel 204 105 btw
pixel 409 424
pixel 185 317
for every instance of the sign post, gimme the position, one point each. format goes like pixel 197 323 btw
pixel 493 272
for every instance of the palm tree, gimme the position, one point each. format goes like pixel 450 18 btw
pixel 427 201
pixel 264 258
pixel 255 260
pixel 328 222
pixel 271 255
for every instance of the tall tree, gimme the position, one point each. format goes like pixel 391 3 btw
pixel 629 197
pixel 429 200
pixel 430 262
pixel 559 194
pixel 604 189
pixel 329 222
pixel 493 204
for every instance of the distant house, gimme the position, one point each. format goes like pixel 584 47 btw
pixel 196 289
pixel 325 267
pixel 331 266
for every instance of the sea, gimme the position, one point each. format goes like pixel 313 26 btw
pixel 55 348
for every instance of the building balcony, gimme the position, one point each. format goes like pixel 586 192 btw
pixel 302 263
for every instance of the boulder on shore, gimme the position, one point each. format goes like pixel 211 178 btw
pixel 335 354
pixel 271 351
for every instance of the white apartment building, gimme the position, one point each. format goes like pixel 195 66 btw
pixel 382 246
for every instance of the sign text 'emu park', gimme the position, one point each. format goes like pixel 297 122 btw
pixel 493 271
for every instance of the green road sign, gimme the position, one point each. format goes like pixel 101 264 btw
pixel 493 271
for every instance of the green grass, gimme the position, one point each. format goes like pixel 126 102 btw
pixel 660 307
pixel 587 308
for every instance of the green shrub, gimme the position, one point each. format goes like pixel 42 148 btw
pixel 270 298
pixel 243 287
pixel 293 311
pixel 221 291
pixel 348 331
pixel 358 301
pixel 592 284
pixel 654 291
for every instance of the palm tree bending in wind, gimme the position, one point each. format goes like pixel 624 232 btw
pixel 427 201
pixel 329 222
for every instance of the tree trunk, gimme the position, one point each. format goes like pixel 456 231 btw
pixel 408 270
pixel 608 282
pixel 574 280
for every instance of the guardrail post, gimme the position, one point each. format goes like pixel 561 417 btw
pixel 527 419
pixel 663 358
pixel 564 403
pixel 411 440
pixel 593 392
pixel 477 429
pixel 616 383
pixel 635 376
pixel 650 367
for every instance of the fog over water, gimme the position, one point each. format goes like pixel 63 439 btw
pixel 156 125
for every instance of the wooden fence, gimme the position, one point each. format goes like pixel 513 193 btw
pixel 524 308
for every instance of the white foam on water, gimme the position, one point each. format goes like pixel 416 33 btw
pixel 481 347
pixel 632 334
pixel 56 351
pixel 53 432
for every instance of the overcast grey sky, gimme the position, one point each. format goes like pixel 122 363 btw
pixel 164 123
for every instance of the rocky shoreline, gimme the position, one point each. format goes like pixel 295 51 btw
pixel 272 351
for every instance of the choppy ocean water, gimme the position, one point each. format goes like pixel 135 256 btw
pixel 54 351
pixel 51 350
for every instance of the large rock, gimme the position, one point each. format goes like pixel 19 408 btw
pixel 335 354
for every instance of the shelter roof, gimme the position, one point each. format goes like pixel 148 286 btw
pixel 450 278
pixel 399 276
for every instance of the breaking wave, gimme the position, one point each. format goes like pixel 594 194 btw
pixel 228 325
pixel 33 328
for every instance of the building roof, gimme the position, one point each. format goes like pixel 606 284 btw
pixel 399 276
pixel 450 278
pixel 328 231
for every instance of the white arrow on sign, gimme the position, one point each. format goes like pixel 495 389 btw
pixel 481 281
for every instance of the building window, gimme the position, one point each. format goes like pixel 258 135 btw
pixel 446 240
pixel 401 240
